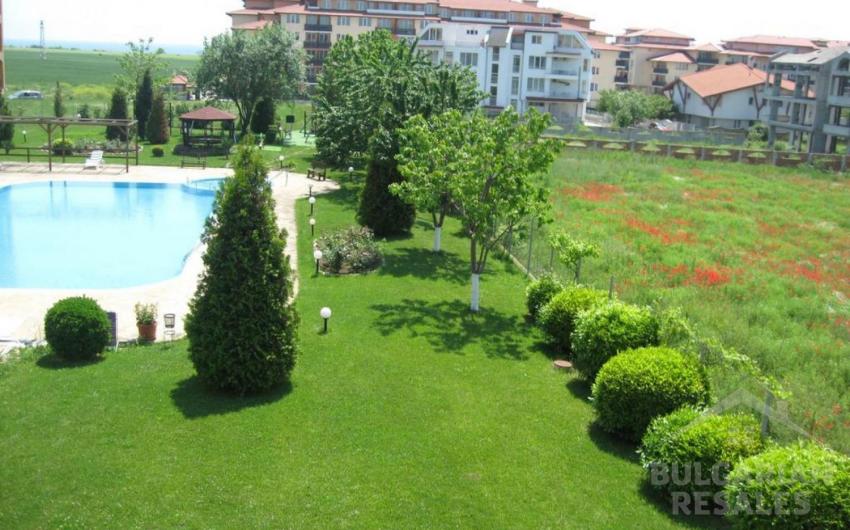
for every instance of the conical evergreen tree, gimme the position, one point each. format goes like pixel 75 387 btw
pixel 242 326
pixel 7 130
pixel 158 131
pixel 144 103
pixel 58 102
pixel 117 111
pixel 380 209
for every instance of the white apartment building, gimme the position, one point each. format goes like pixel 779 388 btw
pixel 520 66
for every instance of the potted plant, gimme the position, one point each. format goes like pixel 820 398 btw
pixel 146 322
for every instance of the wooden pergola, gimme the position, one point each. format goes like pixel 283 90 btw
pixel 50 125
pixel 206 119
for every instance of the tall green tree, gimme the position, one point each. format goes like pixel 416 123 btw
pixel 143 103
pixel 368 89
pixel 58 101
pixel 249 67
pixel 241 324
pixel 496 167
pixel 117 111
pixel 7 130
pixel 141 57
pixel 157 128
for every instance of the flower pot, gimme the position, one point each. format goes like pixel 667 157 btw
pixel 147 332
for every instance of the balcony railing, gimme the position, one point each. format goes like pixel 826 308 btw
pixel 622 79
pixel 564 72
pixel 703 59
pixel 316 61
pixel 517 45
pixel 318 27
pixel 317 45
pixel 623 63
pixel 659 82
pixel 625 55
pixel 404 31
pixel 660 70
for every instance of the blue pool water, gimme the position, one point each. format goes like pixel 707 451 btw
pixel 99 235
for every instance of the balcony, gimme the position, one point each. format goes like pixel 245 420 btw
pixel 316 61
pixel 517 45
pixel 623 63
pixel 659 82
pixel 625 55
pixel 327 28
pixel 837 130
pixel 317 45
pixel 839 101
pixel 404 31
pixel 621 79
pixel 660 70
pixel 705 59
pixel 560 71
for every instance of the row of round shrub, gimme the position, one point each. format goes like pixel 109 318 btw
pixel 605 330
pixel 558 317
pixel 636 386
pixel 77 328
pixel 539 293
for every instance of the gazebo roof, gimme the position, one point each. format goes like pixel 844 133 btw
pixel 208 114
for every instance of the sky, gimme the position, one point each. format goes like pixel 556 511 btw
pixel 189 21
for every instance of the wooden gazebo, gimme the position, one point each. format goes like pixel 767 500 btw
pixel 207 127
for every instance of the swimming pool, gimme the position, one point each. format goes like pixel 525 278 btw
pixel 99 235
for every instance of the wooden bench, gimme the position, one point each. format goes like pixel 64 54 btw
pixel 198 161
pixel 317 173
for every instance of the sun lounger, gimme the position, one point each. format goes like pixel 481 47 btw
pixel 95 160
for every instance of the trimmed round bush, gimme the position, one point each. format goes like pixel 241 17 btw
pixel 801 486
pixel 636 386
pixel 557 318
pixel 607 329
pixel 76 328
pixel 158 152
pixel 686 451
pixel 540 292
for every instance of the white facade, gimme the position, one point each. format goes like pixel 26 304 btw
pixel 735 110
pixel 545 68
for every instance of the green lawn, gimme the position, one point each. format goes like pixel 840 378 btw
pixel 758 256
pixel 410 413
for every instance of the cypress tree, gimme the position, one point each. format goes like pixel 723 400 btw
pixel 241 324
pixel 158 131
pixel 144 103
pixel 263 116
pixel 117 111
pixel 7 130
pixel 380 209
pixel 58 102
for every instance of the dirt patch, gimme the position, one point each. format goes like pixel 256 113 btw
pixel 667 238
pixel 593 192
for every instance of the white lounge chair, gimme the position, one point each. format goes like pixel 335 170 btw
pixel 95 161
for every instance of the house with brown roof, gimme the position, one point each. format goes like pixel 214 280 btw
pixel 728 96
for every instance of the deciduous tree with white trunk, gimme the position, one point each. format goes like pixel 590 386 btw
pixel 487 170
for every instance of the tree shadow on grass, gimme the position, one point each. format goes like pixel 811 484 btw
pixel 611 444
pixel 426 264
pixel 663 504
pixel 51 361
pixel 195 400
pixel 449 326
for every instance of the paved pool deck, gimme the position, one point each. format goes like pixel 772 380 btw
pixel 22 310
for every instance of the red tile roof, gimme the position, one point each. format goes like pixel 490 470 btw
pixel 208 114
pixel 604 46
pixel 773 40
pixel 707 47
pixel 496 5
pixel 180 79
pixel 657 32
pixel 675 57
pixel 254 24
pixel 724 79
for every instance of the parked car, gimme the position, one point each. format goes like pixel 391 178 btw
pixel 27 94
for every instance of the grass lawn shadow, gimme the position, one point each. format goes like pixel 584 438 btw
pixel 425 264
pixel 51 361
pixel 611 444
pixel 195 400
pixel 449 326
pixel 663 504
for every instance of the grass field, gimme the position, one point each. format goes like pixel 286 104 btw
pixel 410 413
pixel 758 256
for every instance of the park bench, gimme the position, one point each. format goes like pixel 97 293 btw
pixel 317 173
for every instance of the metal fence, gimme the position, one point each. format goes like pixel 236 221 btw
pixel 712 137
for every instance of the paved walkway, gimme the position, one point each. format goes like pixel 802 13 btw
pixel 22 310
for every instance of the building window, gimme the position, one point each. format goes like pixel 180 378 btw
pixel 517 63
pixel 536 84
pixel 434 34
pixel 361 5
pixel 472 32
pixel 529 18
pixel 449 57
pixel 293 19
pixel 537 39
pixel 536 62
pixel 515 86
pixel 595 70
pixel 365 21
pixel 386 23
pixel 597 55
pixel 515 104
pixel 594 87
pixel 494 73
pixel 682 67
pixel 495 54
pixel 469 59
pixel 342 5
pixel 343 21
pixel 326 4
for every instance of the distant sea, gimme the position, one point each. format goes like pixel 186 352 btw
pixel 175 49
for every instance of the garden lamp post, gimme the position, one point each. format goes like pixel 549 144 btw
pixel 350 172
pixel 312 226
pixel 280 160
pixel 312 201
pixel 310 189
pixel 25 136
pixel 317 254
pixel 326 315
